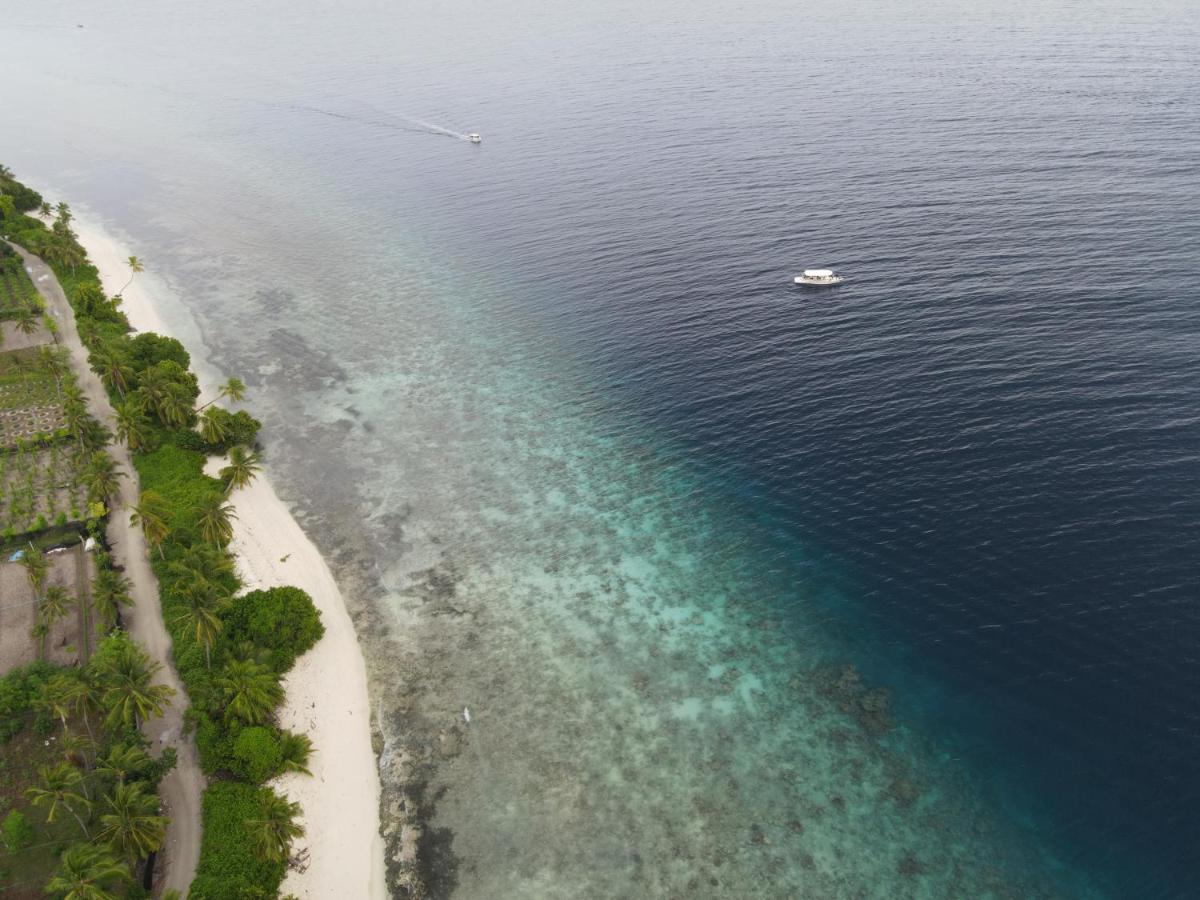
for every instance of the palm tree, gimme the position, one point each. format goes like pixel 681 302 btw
pixel 26 320
pixel 124 761
pixel 64 213
pixel 34 561
pixel 45 210
pixel 80 697
pixel 75 415
pixel 55 697
pixel 151 513
pixel 135 267
pixel 233 388
pixel 110 591
pixel 215 519
pixel 112 368
pixel 202 601
pixel 101 477
pixel 294 751
pixel 56 603
pixel 242 469
pixel 131 424
pixel 250 690
pixel 201 562
pixel 124 674
pixel 88 872
pixel 132 826
pixel 275 826
pixel 60 787
pixel 213 426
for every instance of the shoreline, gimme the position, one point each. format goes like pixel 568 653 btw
pixel 340 800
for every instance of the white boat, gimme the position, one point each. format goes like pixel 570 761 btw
pixel 819 277
pixel 474 138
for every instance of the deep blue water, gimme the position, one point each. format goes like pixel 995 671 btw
pixel 981 452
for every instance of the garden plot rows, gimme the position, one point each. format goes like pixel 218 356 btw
pixel 30 396
pixel 42 487
pixel 17 292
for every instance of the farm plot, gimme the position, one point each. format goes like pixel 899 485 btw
pixel 41 487
pixel 30 395
pixel 17 292
pixel 70 639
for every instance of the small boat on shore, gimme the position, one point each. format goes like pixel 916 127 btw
pixel 818 277
pixel 474 138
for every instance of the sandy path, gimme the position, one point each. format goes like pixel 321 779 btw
pixel 181 788
pixel 326 691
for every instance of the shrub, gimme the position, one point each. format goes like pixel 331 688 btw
pixel 229 868
pixel 257 749
pixel 282 620
pixel 148 349
pixel 17 832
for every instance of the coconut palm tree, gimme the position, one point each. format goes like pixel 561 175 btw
pixel 45 210
pixel 233 388
pixel 275 826
pixel 242 469
pixel 60 788
pixel 34 562
pixel 131 424
pixel 294 751
pixel 64 213
pixel 201 562
pixel 132 826
pixel 55 697
pixel 81 698
pixel 56 603
pixel 135 268
pixel 215 519
pixel 151 513
pixel 202 600
pixel 102 477
pixel 124 674
pixel 214 426
pixel 75 415
pixel 112 368
pixel 124 761
pixel 110 591
pixel 88 872
pixel 26 320
pixel 250 691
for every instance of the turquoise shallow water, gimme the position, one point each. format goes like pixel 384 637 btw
pixel 751 593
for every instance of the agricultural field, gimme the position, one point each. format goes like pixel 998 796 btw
pixel 31 406
pixel 70 639
pixel 41 487
pixel 17 292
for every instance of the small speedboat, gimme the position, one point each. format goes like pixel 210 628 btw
pixel 474 138
pixel 819 277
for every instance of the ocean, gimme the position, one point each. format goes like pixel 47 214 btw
pixel 884 590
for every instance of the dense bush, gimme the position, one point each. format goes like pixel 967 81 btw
pixel 257 750
pixel 240 428
pixel 24 198
pixel 229 868
pixel 178 475
pixel 16 831
pixel 148 349
pixel 18 691
pixel 282 619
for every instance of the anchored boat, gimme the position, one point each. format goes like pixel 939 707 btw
pixel 819 277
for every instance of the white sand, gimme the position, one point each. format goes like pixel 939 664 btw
pixel 327 690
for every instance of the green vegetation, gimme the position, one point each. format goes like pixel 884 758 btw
pixel 17 293
pixel 77 787
pixel 231 868
pixel 231 652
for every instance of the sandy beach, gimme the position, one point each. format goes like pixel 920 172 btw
pixel 327 690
